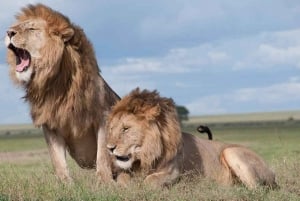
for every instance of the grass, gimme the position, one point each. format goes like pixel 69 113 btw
pixel 32 178
pixel 22 143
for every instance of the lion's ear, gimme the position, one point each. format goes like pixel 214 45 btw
pixel 152 113
pixel 67 34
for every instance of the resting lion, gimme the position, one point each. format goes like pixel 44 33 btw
pixel 54 62
pixel 144 138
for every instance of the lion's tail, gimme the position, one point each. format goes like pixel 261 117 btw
pixel 205 129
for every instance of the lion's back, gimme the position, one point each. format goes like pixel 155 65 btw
pixel 201 155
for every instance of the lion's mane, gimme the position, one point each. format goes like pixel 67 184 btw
pixel 63 92
pixel 160 114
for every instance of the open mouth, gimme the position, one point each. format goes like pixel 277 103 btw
pixel 123 158
pixel 23 58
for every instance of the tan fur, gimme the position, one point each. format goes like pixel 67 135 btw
pixel 143 126
pixel 68 97
pixel 224 163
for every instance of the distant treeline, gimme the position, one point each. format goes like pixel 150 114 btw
pixel 286 123
pixel 20 132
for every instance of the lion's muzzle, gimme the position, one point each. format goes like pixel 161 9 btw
pixel 123 161
pixel 123 158
pixel 22 58
pixel 111 148
pixel 11 33
pixel 118 156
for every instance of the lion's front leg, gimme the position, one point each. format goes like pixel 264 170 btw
pixel 57 150
pixel 103 163
pixel 123 179
pixel 163 177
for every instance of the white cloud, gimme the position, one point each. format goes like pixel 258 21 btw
pixel 217 57
pixel 179 60
pixel 214 20
pixel 294 79
pixel 272 55
pixel 177 18
pixel 274 94
pixel 262 51
pixel 123 83
pixel 271 49
pixel 211 104
pixel 272 97
pixel 137 65
pixel 146 65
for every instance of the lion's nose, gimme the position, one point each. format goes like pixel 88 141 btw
pixel 11 33
pixel 111 148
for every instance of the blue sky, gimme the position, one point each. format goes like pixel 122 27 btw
pixel 214 57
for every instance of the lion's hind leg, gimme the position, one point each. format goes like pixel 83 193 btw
pixel 248 167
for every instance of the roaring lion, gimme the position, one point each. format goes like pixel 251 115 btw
pixel 144 137
pixel 52 59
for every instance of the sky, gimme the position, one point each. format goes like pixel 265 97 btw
pixel 211 56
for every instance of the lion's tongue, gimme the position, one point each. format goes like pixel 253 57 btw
pixel 24 63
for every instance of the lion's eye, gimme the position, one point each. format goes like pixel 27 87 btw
pixel 32 29
pixel 125 129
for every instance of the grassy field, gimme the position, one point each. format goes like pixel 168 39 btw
pixel 26 172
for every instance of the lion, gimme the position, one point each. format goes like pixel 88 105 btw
pixel 52 59
pixel 144 138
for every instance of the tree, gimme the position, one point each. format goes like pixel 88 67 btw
pixel 182 113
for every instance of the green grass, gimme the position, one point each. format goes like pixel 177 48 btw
pixel 33 178
pixel 20 138
pixel 22 143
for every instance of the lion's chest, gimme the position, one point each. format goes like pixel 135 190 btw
pixel 83 150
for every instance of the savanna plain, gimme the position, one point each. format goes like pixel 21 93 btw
pixel 26 172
